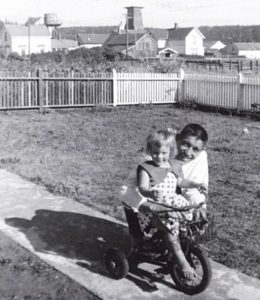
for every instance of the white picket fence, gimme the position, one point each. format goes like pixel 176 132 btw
pixel 144 88
pixel 238 92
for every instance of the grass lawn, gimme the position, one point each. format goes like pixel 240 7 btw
pixel 87 153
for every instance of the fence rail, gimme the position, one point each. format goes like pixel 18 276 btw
pixel 72 89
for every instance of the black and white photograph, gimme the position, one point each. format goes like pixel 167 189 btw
pixel 129 150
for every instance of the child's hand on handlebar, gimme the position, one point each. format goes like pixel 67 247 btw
pixel 203 189
pixel 157 194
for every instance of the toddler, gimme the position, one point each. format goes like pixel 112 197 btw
pixel 157 180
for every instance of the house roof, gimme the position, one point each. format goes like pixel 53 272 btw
pixel 92 38
pixel 119 48
pixel 208 44
pixel 178 46
pixel 121 39
pixel 159 33
pixel 22 30
pixel 181 33
pixel 63 44
pixel 167 50
pixel 32 21
pixel 248 46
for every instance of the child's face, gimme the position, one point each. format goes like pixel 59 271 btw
pixel 160 154
pixel 189 148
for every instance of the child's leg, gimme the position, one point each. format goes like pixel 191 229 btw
pixel 174 247
pixel 172 241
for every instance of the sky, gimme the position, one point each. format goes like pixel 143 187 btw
pixel 156 13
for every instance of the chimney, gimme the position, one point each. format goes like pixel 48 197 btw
pixel 134 19
pixel 175 25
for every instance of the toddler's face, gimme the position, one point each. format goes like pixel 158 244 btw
pixel 189 148
pixel 160 155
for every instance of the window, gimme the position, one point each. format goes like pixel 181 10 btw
pixel 6 37
pixel 41 48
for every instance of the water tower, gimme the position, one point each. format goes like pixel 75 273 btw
pixel 52 22
pixel 134 20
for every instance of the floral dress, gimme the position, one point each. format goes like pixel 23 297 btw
pixel 164 180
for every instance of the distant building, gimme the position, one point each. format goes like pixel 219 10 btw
pixel 212 48
pixel 63 44
pixel 188 41
pixel 24 39
pixel 134 20
pixel 132 40
pixel 167 53
pixel 134 45
pixel 248 50
pixel 161 35
pixel 88 40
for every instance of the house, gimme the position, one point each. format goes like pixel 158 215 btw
pixel 90 40
pixel 134 45
pixel 63 44
pixel 249 50
pixel 24 39
pixel 177 46
pixel 161 35
pixel 188 41
pixel 167 53
pixel 212 48
pixel 231 49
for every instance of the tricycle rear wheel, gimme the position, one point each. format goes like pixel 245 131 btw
pixel 116 263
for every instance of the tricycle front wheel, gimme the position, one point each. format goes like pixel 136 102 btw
pixel 200 262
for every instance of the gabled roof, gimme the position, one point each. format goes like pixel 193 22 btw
pixel 159 33
pixel 121 39
pixel 92 38
pixel 248 46
pixel 32 21
pixel 63 44
pixel 181 33
pixel 22 30
pixel 178 46
pixel 208 43
pixel 167 50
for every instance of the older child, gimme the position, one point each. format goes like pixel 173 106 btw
pixel 157 180
pixel 191 143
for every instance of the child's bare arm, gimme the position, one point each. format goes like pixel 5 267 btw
pixel 188 184
pixel 146 191
pixel 144 186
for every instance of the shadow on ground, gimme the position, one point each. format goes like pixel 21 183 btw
pixel 84 238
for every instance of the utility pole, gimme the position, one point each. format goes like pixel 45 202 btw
pixel 29 41
pixel 127 41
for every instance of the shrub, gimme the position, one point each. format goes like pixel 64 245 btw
pixel 15 56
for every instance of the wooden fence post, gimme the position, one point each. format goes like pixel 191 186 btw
pixel 114 89
pixel 240 92
pixel 180 85
pixel 40 90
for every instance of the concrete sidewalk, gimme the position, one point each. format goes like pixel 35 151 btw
pixel 72 238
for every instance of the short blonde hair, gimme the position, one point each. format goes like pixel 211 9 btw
pixel 160 138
